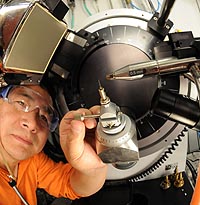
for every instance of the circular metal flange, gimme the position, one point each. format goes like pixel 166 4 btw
pixel 126 40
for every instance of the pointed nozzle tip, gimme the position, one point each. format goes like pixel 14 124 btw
pixel 110 77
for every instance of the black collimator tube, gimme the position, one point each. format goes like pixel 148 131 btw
pixel 176 107
pixel 165 11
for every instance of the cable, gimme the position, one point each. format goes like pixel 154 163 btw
pixel 196 160
pixel 2 2
pixel 128 3
pixel 123 4
pixel 192 170
pixel 151 5
pixel 198 5
pixel 86 8
pixel 12 182
pixel 163 158
pixel 111 4
pixel 96 5
pixel 134 6
pixel 159 5
pixel 195 71
pixel 71 4
pixel 72 20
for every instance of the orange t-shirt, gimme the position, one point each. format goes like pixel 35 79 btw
pixel 37 172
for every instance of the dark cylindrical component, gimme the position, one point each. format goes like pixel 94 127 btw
pixel 176 107
pixel 165 11
pixel 152 6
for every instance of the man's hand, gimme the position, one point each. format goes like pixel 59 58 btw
pixel 78 152
pixel 89 172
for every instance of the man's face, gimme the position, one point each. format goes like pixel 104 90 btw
pixel 21 133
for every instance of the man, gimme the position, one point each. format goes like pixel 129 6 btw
pixel 26 118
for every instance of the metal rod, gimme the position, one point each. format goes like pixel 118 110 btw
pixel 111 4
pixel 154 67
pixel 82 117
pixel 152 6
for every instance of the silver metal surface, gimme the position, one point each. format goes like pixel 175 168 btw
pixel 153 67
pixel 116 136
pixel 120 146
pixel 72 37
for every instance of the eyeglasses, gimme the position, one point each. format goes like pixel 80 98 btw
pixel 25 99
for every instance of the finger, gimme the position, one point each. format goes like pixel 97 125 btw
pixel 72 130
pixel 77 130
pixel 89 122
pixel 95 109
pixel 72 140
pixel 65 124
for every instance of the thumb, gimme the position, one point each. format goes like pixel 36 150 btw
pixel 72 131
pixel 78 129
pixel 72 139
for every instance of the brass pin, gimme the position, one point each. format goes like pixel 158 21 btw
pixel 179 180
pixel 165 184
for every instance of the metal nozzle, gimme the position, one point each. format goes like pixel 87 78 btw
pixel 154 67
pixel 104 98
pixel 110 77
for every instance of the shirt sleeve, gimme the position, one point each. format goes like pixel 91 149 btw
pixel 54 177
